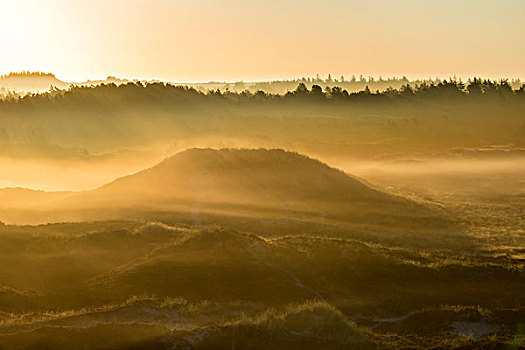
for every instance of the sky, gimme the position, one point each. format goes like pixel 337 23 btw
pixel 232 40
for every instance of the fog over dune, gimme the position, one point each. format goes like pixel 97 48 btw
pixel 262 183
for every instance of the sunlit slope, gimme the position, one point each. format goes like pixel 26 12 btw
pixel 269 184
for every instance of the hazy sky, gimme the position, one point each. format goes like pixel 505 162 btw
pixel 202 40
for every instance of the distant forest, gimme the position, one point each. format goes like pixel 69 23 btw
pixel 20 83
pixel 474 88
pixel 353 84
pixel 81 121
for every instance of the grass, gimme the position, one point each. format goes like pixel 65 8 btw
pixel 193 284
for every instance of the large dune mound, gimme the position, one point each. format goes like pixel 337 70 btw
pixel 261 183
pixel 206 185
pixel 243 176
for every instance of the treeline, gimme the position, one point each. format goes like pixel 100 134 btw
pixel 138 92
pixel 352 84
pixel 444 89
pixel 27 74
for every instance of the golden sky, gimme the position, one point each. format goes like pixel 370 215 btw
pixel 203 40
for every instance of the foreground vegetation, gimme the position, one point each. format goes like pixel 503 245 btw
pixel 125 284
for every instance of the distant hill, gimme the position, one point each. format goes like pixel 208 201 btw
pixel 31 82
pixel 37 82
